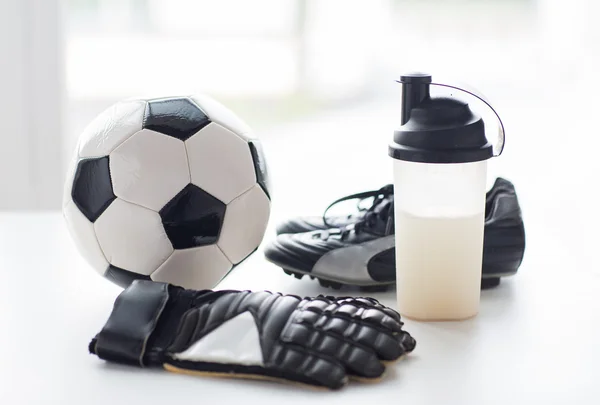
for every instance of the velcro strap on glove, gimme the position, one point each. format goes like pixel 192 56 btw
pixel 133 319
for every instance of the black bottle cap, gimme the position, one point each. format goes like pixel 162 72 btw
pixel 437 129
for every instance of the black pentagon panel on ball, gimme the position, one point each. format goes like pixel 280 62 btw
pixel 193 218
pixel 92 190
pixel 260 166
pixel 177 117
pixel 123 278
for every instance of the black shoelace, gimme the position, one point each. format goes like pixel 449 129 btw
pixel 377 216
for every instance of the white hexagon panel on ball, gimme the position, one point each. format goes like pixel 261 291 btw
pixel 84 237
pixel 245 223
pixel 197 268
pixel 132 237
pixel 149 169
pixel 220 162
pixel 111 128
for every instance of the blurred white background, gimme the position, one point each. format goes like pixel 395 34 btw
pixel 316 81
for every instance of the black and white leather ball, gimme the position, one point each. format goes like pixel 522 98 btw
pixel 173 189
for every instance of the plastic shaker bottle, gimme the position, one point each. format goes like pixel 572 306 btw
pixel 440 157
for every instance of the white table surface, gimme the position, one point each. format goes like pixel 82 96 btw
pixel 536 339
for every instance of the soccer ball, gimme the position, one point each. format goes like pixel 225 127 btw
pixel 172 189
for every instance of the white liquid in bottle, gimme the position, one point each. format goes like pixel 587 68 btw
pixel 439 220
pixel 438 266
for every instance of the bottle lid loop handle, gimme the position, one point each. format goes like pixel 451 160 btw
pixel 499 146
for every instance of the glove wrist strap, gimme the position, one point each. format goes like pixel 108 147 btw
pixel 134 318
